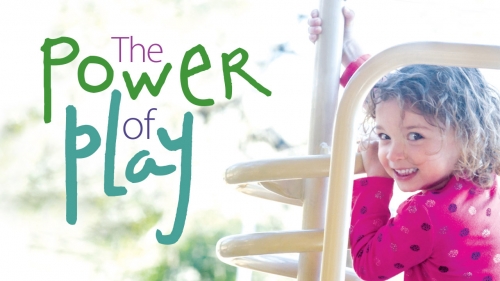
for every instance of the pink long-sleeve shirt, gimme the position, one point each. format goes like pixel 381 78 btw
pixel 449 234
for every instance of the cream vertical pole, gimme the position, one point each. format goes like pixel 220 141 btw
pixel 323 110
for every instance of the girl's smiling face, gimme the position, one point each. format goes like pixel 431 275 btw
pixel 416 154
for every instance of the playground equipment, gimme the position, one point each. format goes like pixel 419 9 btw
pixel 307 181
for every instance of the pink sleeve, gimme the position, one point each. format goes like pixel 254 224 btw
pixel 351 69
pixel 383 247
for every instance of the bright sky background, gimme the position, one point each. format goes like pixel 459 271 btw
pixel 257 26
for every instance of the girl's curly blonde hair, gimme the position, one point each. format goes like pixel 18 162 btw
pixel 450 97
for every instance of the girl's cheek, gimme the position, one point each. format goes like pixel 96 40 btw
pixel 415 154
pixel 419 155
pixel 382 154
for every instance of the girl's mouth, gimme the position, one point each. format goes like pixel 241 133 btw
pixel 403 173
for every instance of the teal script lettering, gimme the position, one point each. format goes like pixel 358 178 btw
pixel 72 154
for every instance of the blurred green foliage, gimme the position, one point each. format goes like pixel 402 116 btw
pixel 196 258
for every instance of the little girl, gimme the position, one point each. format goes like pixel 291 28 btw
pixel 437 131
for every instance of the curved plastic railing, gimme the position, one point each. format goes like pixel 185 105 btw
pixel 342 161
pixel 311 166
pixel 255 251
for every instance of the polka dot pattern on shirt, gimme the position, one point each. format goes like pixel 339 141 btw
pixel 412 209
pixel 443 269
pixel 426 226
pixel 360 237
pixel 453 253
pixel 412 236
pixel 430 203
pixel 443 230
pixel 475 255
pixel 360 253
pixel 452 208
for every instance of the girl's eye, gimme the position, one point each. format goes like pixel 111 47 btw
pixel 415 136
pixel 383 136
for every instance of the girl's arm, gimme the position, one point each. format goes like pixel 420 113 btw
pixel 351 49
pixel 382 247
pixel 352 53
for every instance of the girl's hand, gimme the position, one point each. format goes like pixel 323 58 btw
pixel 351 50
pixel 314 26
pixel 372 165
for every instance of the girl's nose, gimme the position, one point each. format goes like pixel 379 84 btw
pixel 396 151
